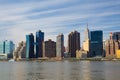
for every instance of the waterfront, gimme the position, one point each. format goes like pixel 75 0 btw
pixel 60 70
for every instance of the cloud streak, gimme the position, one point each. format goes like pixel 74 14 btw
pixel 21 17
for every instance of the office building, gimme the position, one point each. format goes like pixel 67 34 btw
pixel 118 53
pixel 86 43
pixel 73 43
pixel 110 49
pixel 87 35
pixel 116 36
pixel 112 45
pixel 39 41
pixel 2 47
pixel 7 47
pixel 49 49
pixel 20 52
pixel 81 54
pixel 104 49
pixel 96 43
pixel 3 56
pixel 60 45
pixel 30 46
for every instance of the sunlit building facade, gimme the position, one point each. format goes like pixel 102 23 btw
pixel 112 45
pixel 60 45
pixel 86 43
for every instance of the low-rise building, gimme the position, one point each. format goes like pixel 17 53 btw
pixel 3 56
pixel 118 53
pixel 81 54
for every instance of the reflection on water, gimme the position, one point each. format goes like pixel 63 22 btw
pixel 60 70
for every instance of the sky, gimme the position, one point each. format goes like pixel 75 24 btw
pixel 21 17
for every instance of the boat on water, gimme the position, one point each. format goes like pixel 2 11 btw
pixel 11 60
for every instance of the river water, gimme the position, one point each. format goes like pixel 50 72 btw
pixel 60 70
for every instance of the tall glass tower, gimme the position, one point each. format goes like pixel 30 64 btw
pixel 96 43
pixel 30 46
pixel 39 41
pixel 7 47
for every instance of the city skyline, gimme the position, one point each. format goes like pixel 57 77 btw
pixel 21 17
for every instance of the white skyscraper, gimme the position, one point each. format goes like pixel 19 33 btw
pixel 60 45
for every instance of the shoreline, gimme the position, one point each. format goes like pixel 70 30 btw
pixel 60 59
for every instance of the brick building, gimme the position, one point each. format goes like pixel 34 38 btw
pixel 49 49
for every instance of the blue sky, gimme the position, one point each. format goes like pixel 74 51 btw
pixel 21 17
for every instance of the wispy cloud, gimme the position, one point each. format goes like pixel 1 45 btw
pixel 21 17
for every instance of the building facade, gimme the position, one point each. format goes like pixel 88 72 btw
pixel 118 53
pixel 20 52
pixel 110 49
pixel 81 54
pixel 2 47
pixel 30 46
pixel 73 43
pixel 116 36
pixel 112 45
pixel 39 41
pixel 7 47
pixel 60 45
pixel 86 43
pixel 49 49
pixel 104 48
pixel 96 43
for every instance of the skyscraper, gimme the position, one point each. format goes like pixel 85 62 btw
pixel 30 46
pixel 87 34
pixel 96 43
pixel 39 41
pixel 73 43
pixel 49 49
pixel 86 43
pixel 60 45
pixel 7 47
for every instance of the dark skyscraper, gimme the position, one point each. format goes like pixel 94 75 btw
pixel 116 36
pixel 96 43
pixel 49 48
pixel 39 41
pixel 73 43
pixel 30 46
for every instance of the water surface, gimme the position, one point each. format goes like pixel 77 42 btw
pixel 60 70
